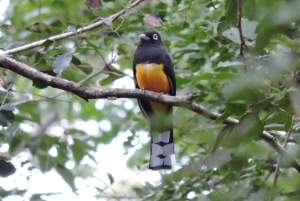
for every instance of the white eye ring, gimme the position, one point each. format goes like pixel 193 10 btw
pixel 155 37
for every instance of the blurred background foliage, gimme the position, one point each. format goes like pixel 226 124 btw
pixel 215 162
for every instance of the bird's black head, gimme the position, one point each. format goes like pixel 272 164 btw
pixel 150 37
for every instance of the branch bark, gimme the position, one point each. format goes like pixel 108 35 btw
pixel 87 93
pixel 77 32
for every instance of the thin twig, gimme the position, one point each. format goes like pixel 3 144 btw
pixel 40 99
pixel 39 11
pixel 95 48
pixel 239 26
pixel 7 90
pixel 69 34
pixel 62 92
pixel 3 101
pixel 267 176
pixel 297 124
pixel 277 170
pixel 116 29
pixel 43 97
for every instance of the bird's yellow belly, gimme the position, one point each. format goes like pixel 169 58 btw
pixel 153 78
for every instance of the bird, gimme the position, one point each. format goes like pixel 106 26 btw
pixel 153 70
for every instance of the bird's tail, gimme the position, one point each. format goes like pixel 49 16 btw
pixel 162 150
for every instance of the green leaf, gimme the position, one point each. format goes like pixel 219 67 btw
pixel 288 123
pixel 111 179
pixel 232 109
pixel 138 191
pixel 75 60
pixel 38 56
pixel 74 131
pixel 265 33
pixel 249 9
pixel 14 145
pixel 6 117
pixel 203 133
pixel 259 149
pixel 218 158
pixel 233 34
pixel 67 176
pixel 62 62
pixel 277 117
pixel 42 85
pixel 278 127
pixel 249 28
pixel 79 150
pixel 238 161
pixel 259 106
pixel 108 80
pixel 249 128
pixel 93 158
pixel 247 88
pixel 231 136
pixel 231 10
pixel 34 144
pixel 224 134
pixel 45 161
pixel 223 25
pixel 8 107
pixel 47 44
pixel 122 49
pixel 85 67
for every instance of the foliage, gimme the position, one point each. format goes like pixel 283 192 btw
pixel 215 161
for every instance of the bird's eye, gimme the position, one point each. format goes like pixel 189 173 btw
pixel 155 37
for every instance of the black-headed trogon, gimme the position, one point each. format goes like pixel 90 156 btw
pixel 153 70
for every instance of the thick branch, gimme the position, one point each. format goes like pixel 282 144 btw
pixel 94 93
pixel 77 32
pixel 85 92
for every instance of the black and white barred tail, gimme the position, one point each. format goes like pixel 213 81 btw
pixel 162 150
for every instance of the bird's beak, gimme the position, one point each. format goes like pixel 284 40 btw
pixel 143 36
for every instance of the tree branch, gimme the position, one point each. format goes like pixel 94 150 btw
pixel 277 170
pixel 284 146
pixel 239 26
pixel 77 32
pixel 87 93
